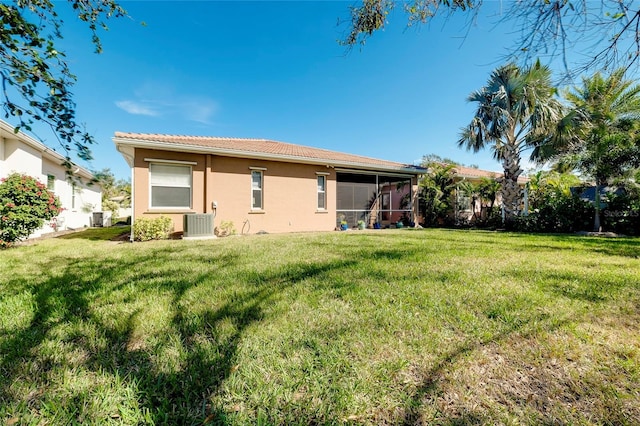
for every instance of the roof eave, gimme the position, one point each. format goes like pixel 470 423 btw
pixel 47 152
pixel 123 143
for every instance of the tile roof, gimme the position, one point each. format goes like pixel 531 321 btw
pixel 279 150
pixel 471 172
pixel 261 147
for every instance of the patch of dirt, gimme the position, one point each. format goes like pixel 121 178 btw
pixel 600 234
pixel 124 237
pixel 554 378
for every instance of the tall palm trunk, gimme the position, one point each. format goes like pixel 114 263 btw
pixel 510 190
pixel 596 221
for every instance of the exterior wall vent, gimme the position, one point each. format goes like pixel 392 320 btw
pixel 198 225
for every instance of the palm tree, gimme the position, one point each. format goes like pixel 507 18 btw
pixel 488 189
pixel 600 135
pixel 436 189
pixel 514 108
pixel 469 190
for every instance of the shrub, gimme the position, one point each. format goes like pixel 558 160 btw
pixel 145 229
pixel 25 203
pixel 622 214
pixel 225 229
pixel 111 206
pixel 492 219
pixel 559 214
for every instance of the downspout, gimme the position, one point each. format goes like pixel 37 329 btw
pixel 133 207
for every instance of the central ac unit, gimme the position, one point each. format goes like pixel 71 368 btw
pixel 102 219
pixel 198 225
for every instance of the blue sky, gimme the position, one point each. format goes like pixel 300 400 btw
pixel 274 70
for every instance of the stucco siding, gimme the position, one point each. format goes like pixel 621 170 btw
pixel 142 203
pixel 21 158
pixel 29 157
pixel 289 195
pixel 289 192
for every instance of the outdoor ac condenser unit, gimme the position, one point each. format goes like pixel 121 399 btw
pixel 199 225
pixel 102 219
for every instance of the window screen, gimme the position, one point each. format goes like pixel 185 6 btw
pixel 170 185
pixel 256 190
pixel 322 192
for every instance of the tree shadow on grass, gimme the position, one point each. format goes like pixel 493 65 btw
pixel 627 247
pixel 113 233
pixel 623 246
pixel 590 292
pixel 99 310
pixel 174 372
pixel 429 388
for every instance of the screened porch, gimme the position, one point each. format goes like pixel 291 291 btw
pixel 378 200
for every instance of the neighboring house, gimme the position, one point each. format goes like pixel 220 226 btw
pixel 588 193
pixel 122 212
pixel 22 154
pixel 466 210
pixel 263 185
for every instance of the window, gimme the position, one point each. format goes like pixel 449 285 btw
pixel 51 182
pixel 322 192
pixel 386 206
pixel 256 190
pixel 170 185
pixel 73 195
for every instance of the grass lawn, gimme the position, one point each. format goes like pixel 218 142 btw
pixel 388 327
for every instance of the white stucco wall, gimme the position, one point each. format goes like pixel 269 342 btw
pixel 24 155
pixel 21 158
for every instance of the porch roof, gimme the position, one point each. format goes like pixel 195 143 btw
pixel 255 148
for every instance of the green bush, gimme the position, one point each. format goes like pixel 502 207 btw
pixel 225 229
pixel 25 203
pixel 111 206
pixel 622 214
pixel 145 229
pixel 492 219
pixel 558 214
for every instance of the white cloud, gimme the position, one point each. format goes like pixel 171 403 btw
pixel 198 110
pixel 157 100
pixel 137 108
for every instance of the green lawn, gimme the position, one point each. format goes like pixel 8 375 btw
pixel 388 327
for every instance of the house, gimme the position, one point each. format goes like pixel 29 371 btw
pixel 467 209
pixel 588 193
pixel 20 153
pixel 264 185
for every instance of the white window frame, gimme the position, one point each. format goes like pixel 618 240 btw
pixel 172 164
pixel 323 191
pixel 51 182
pixel 260 172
